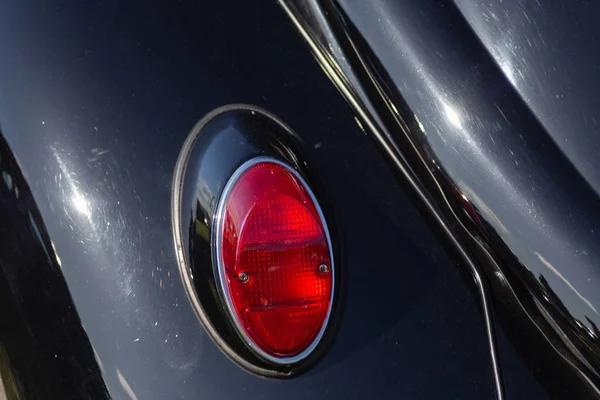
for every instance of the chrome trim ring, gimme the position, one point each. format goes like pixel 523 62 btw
pixel 217 233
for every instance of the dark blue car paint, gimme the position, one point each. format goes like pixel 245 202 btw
pixel 458 127
pixel 96 101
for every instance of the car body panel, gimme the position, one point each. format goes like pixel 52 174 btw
pixel 449 118
pixel 95 104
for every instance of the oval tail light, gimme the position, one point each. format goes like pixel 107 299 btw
pixel 274 260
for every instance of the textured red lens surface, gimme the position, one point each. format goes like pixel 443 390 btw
pixel 275 267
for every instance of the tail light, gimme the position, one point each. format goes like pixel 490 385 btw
pixel 274 260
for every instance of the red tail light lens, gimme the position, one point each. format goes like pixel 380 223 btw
pixel 274 259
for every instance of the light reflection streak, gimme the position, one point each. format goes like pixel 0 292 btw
pixel 126 386
pixel 562 278
pixel 80 204
pixel 459 136
pixel 458 139
pixel 452 116
pixel 80 208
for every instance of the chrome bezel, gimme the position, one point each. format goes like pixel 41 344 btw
pixel 217 233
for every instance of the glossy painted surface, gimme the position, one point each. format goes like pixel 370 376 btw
pixel 481 155
pixel 548 53
pixel 96 102
pixel 44 349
